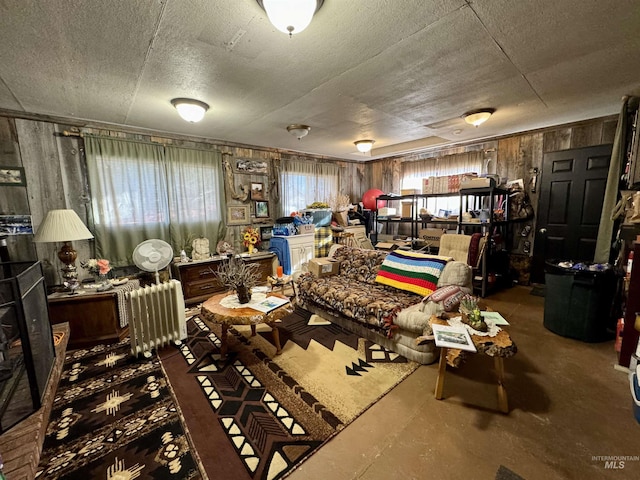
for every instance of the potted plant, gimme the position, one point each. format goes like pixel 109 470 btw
pixel 471 313
pixel 238 276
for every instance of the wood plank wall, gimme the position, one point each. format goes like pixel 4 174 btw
pixel 56 176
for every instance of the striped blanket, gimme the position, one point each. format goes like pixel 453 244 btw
pixel 412 271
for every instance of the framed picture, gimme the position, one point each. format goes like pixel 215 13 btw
pixel 452 337
pixel 257 191
pixel 15 225
pixel 266 233
pixel 248 165
pixel 238 215
pixel 12 177
pixel 262 209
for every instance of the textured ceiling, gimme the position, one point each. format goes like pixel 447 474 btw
pixel 397 71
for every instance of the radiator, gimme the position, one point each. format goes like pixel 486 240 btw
pixel 156 317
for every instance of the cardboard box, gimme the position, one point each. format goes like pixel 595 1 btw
pixel 306 228
pixel 409 191
pixel 323 267
pixel 386 212
pixel 431 236
pixel 407 209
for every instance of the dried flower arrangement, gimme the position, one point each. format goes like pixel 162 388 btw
pixel 339 202
pixel 236 274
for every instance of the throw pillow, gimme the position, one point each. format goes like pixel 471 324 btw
pixel 411 271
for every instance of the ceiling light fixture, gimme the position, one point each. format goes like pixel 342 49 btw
pixel 290 16
pixel 191 110
pixel 478 117
pixel 298 130
pixel 364 146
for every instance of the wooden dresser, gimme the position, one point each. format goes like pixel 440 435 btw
pixel 199 281
pixel 93 317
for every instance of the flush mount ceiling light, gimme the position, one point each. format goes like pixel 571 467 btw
pixel 191 110
pixel 478 117
pixel 290 16
pixel 298 130
pixel 364 146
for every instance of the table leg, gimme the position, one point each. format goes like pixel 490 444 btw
pixel 276 336
pixel 253 330
pixel 503 404
pixel 223 341
pixel 442 369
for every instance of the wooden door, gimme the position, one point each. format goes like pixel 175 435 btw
pixel 571 195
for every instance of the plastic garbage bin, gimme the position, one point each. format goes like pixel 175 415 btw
pixel 579 301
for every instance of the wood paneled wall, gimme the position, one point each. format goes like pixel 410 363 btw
pixel 56 177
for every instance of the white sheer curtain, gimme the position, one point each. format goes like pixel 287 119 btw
pixel 305 182
pixel 414 171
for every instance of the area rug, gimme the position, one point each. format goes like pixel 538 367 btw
pixel 258 415
pixel 113 417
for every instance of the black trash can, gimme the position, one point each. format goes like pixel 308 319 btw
pixel 579 303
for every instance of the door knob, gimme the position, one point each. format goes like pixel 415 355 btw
pixel 542 231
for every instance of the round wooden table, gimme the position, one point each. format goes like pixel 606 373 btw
pixel 214 312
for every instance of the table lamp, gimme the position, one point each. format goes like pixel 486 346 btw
pixel 63 226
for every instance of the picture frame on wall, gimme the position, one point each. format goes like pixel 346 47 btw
pixel 16 225
pixel 251 166
pixel 238 215
pixel 262 209
pixel 266 233
pixel 257 191
pixel 12 177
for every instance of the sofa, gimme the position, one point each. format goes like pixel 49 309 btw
pixel 383 310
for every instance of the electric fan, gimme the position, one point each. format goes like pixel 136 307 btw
pixel 153 255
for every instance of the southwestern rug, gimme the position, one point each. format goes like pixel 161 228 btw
pixel 114 417
pixel 255 415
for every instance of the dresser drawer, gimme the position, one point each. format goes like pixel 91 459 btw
pixel 197 272
pixel 206 287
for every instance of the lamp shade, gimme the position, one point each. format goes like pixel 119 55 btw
pixel 298 130
pixel 189 109
pixel 478 117
pixel 290 16
pixel 62 226
pixel 364 146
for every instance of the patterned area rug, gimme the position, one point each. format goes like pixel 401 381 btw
pixel 113 417
pixel 257 415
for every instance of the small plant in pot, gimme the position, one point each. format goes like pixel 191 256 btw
pixel 471 313
pixel 238 276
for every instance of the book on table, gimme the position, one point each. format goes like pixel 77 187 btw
pixel 268 304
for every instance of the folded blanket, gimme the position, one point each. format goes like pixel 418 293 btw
pixel 412 271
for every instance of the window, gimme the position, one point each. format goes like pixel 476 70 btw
pixel 141 191
pixel 414 171
pixel 303 183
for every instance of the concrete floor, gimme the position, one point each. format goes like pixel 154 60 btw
pixel 567 405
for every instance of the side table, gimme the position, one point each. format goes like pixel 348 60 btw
pixel 212 311
pixel 499 347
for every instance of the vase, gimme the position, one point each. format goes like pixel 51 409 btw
pixel 250 248
pixel 244 294
pixel 100 279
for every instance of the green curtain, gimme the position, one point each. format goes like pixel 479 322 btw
pixel 128 195
pixel 196 196
pixel 141 191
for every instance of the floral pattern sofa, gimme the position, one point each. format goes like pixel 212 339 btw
pixel 396 319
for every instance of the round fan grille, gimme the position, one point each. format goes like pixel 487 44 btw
pixel 152 255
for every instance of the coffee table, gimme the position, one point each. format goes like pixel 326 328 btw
pixel 214 312
pixel 499 347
